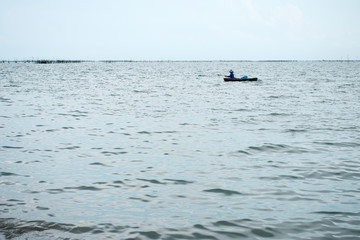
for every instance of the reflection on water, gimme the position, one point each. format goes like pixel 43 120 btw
pixel 167 150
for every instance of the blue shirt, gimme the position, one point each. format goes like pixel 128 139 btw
pixel 231 75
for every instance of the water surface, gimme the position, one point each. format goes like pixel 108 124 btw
pixel 167 150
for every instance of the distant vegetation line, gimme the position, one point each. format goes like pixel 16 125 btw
pixel 44 61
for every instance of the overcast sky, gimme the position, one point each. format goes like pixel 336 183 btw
pixel 180 29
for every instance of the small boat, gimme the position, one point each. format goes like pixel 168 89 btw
pixel 228 79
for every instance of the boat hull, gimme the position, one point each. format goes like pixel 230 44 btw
pixel 227 79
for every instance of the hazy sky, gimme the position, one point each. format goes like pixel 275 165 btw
pixel 180 29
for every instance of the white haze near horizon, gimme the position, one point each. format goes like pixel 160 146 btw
pixel 180 29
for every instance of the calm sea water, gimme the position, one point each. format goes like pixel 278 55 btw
pixel 168 150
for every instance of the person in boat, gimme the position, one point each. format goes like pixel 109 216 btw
pixel 231 74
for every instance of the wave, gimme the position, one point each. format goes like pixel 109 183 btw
pixel 297 229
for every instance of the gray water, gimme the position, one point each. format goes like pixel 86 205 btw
pixel 168 150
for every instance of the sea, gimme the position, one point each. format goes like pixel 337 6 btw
pixel 168 150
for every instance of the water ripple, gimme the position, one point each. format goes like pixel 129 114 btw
pixel 223 191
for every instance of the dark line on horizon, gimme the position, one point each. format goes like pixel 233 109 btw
pixel 45 61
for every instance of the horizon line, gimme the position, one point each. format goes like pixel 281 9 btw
pixel 45 61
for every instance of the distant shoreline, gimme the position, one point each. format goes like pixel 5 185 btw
pixel 45 61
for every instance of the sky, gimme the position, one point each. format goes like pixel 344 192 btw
pixel 180 29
